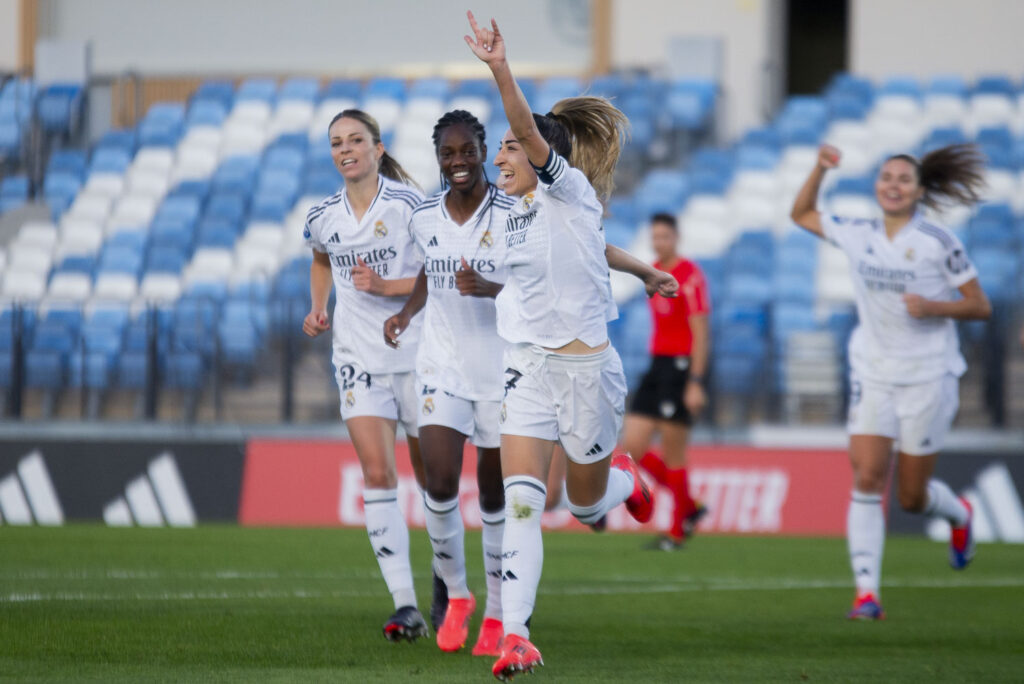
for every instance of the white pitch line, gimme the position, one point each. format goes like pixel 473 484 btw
pixel 664 588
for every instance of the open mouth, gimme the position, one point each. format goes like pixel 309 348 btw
pixel 459 176
pixel 347 162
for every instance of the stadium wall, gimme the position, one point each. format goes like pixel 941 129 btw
pixel 10 35
pixel 356 37
pixel 939 36
pixel 317 482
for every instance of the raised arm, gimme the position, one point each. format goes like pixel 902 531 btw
pixel 805 208
pixel 655 281
pixel 489 46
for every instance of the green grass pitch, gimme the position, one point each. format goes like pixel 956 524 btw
pixel 229 604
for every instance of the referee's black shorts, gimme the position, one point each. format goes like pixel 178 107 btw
pixel 660 394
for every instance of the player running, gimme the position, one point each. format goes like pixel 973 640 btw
pixel 564 382
pixel 360 238
pixel 671 393
pixel 459 369
pixel 905 358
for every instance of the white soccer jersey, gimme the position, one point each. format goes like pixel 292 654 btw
pixel 558 288
pixel 383 240
pixel 889 345
pixel 460 350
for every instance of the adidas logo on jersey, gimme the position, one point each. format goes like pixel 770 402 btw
pixel 433 242
pixel 594 450
pixel 334 239
pixel 508 576
pixel 155 498
pixel 384 552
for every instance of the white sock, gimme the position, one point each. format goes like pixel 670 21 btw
pixel 522 550
pixel 865 536
pixel 944 503
pixel 620 486
pixel 389 537
pixel 448 538
pixel 493 531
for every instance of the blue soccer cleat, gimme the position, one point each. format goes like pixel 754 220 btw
pixel 961 541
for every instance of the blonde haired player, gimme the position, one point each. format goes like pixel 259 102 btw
pixel 362 245
pixel 564 382
pixel 912 279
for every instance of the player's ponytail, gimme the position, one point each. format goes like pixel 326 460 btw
pixel 589 132
pixel 955 173
pixel 388 165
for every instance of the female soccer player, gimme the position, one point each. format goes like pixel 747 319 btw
pixel 459 369
pixel 564 383
pixel 360 239
pixel 671 394
pixel 905 359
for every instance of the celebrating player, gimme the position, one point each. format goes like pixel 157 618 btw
pixel 564 382
pixel 459 367
pixel 671 394
pixel 360 237
pixel 905 359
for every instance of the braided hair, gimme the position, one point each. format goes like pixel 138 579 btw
pixel 454 118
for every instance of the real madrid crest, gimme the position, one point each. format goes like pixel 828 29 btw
pixel 486 240
pixel 909 254
pixel 350 400
pixel 527 200
pixel 428 406
pixel 379 229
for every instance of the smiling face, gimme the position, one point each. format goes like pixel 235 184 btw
pixel 517 175
pixel 663 240
pixel 355 154
pixel 461 157
pixel 897 188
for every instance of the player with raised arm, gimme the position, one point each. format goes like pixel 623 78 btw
pixel 563 381
pixel 459 369
pixel 362 245
pixel 671 393
pixel 905 359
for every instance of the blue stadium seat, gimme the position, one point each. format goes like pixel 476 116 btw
pixel 941 137
pixel 790 317
pixel 198 188
pixel 997 271
pixel 124 139
pixel 995 84
pixel 347 88
pixel 285 159
pixel 757 157
pixel 206 113
pixel 110 160
pixel 303 89
pixel 227 206
pixel 166 259
pixel 748 289
pixel 216 91
pixel 185 370
pixel 764 137
pixel 793 288
pixel 14 187
pixel 948 85
pixel 261 89
pixel 690 103
pixel 860 185
pixel 271 207
pixel 995 211
pixel 385 86
pixel 995 135
pixel 661 190
pixel 121 260
pixel 216 233
pixel 59 107
pixel 434 88
pixel 67 161
pixel 901 85
pixel 845 106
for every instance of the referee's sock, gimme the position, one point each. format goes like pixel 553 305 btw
pixel 653 464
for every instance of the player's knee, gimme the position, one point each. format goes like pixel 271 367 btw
pixel 869 481
pixel 442 486
pixel 379 476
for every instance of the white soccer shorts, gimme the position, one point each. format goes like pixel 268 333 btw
pixel 917 416
pixel 478 420
pixel 578 401
pixel 384 395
